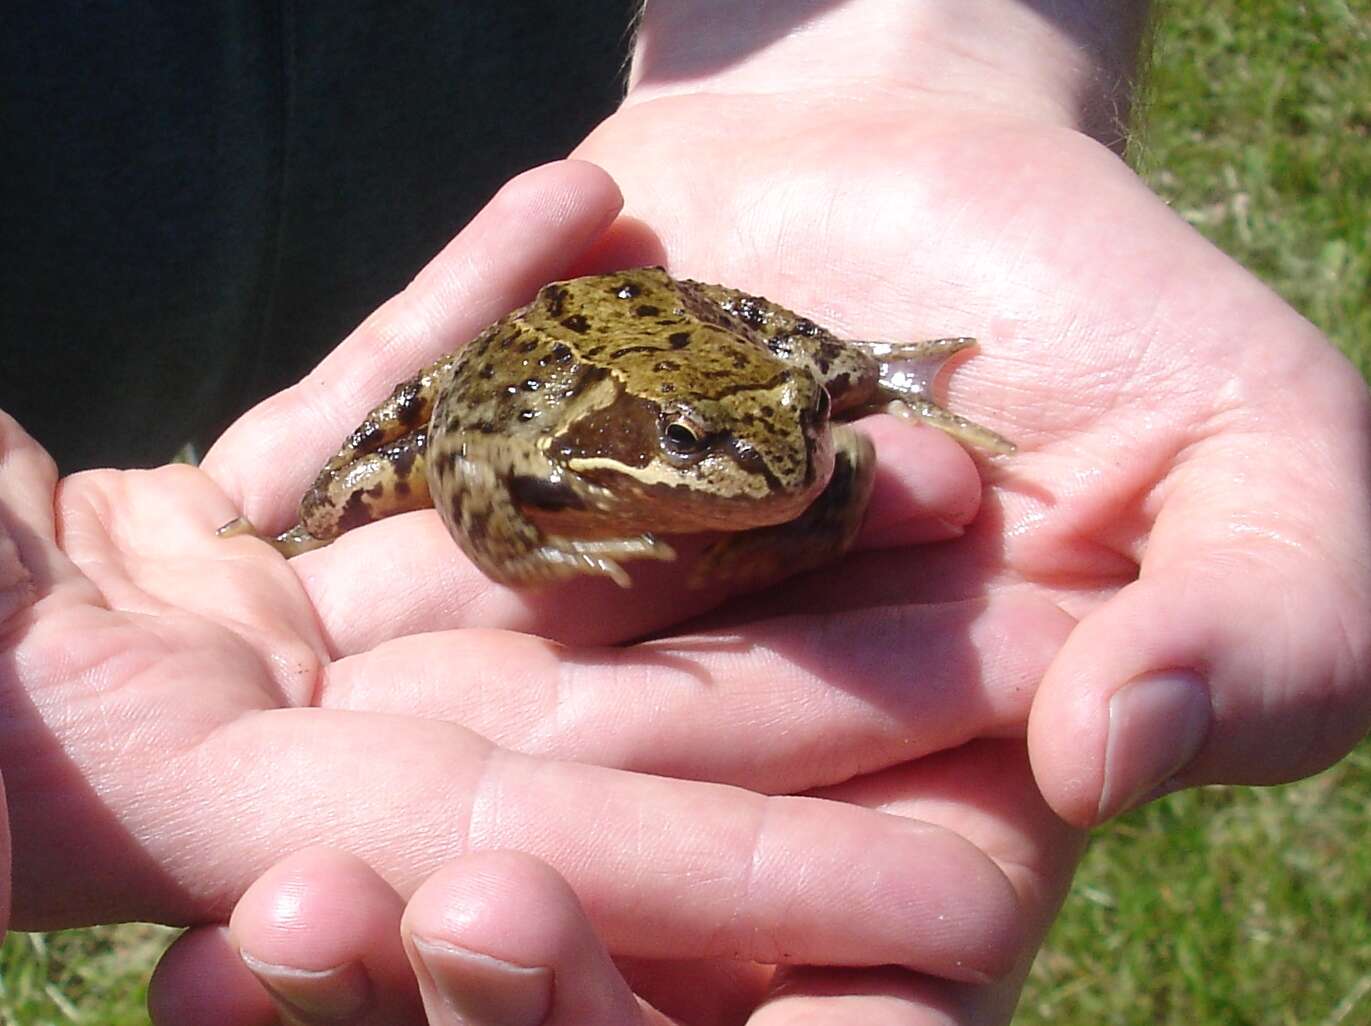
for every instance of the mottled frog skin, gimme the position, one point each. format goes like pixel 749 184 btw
pixel 615 408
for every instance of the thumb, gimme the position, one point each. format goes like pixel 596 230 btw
pixel 1249 667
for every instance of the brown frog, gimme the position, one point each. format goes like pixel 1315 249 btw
pixel 567 437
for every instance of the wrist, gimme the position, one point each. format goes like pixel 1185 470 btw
pixel 1072 67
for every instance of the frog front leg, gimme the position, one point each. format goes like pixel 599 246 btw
pixel 503 502
pixel 379 471
pixel 820 534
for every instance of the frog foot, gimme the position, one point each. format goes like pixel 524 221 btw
pixel 559 558
pixel 288 543
pixel 908 370
pixel 925 411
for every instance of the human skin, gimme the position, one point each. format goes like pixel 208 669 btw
pixel 178 710
pixel 1191 491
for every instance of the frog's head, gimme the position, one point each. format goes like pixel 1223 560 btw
pixel 721 436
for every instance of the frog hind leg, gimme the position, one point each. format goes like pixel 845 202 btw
pixel 288 543
pixel 391 479
pixel 820 534
pixel 907 373
pixel 378 471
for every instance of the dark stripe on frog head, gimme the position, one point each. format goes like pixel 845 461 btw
pixel 544 494
pixel 747 457
pixel 626 431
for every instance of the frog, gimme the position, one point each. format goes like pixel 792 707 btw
pixel 575 432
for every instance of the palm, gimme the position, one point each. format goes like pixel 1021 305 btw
pixel 181 709
pixel 1179 426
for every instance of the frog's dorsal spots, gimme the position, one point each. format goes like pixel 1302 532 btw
pixel 366 436
pixel 647 310
pixel 527 415
pixel 679 339
pixel 530 345
pixel 355 513
pixel 409 404
pixel 577 323
pixel 486 372
pixel 404 456
pixel 749 311
pixel 621 352
pixel 628 290
pixel 561 353
pixel 554 298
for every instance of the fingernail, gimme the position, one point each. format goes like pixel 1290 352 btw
pixel 481 990
pixel 336 995
pixel 1157 724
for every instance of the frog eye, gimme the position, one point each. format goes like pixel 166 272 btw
pixel 683 437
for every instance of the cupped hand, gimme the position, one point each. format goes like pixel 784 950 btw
pixel 498 937
pixel 180 710
pixel 1192 487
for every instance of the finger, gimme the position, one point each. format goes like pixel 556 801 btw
pixel 201 979
pixel 1241 655
pixel 315 939
pixel 320 933
pixel 499 939
pixel 856 691
pixel 30 562
pixel 697 991
pixel 927 488
pixel 986 792
pixel 745 880
pixel 555 211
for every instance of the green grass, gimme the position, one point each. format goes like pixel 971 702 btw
pixel 1221 907
pixel 1257 129
pixel 79 976
pixel 1229 906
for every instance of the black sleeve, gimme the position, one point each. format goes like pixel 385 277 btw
pixel 199 200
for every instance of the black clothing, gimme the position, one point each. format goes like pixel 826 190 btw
pixel 199 200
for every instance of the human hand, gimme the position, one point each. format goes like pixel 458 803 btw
pixel 321 937
pixel 1192 482
pixel 180 709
